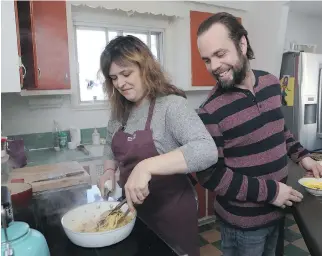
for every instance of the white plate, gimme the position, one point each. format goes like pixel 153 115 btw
pixel 73 219
pixel 315 192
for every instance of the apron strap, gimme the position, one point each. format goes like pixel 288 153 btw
pixel 148 121
pixel 151 108
pixel 124 120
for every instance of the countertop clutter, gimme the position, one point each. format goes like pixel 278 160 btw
pixel 142 241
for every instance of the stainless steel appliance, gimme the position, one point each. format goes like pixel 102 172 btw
pixel 303 117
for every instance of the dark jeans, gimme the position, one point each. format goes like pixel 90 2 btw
pixel 261 242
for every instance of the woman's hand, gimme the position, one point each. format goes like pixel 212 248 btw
pixel 137 185
pixel 109 174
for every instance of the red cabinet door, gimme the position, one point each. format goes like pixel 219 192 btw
pixel 50 44
pixel 21 69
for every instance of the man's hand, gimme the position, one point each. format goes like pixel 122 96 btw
pixel 313 166
pixel 287 196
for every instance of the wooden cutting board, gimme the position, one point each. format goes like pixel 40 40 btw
pixel 30 174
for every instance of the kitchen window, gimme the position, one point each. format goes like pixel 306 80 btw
pixel 90 42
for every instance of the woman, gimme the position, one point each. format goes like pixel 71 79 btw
pixel 155 140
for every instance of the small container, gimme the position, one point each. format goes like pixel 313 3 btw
pixel 71 145
pixel 96 137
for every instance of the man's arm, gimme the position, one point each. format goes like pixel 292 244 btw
pixel 224 182
pixel 294 148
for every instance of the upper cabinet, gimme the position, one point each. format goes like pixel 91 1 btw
pixel 10 78
pixel 42 28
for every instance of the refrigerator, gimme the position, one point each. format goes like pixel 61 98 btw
pixel 301 88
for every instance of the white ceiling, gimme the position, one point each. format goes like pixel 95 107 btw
pixel 311 8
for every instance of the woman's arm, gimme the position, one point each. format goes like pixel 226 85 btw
pixel 198 150
pixel 165 164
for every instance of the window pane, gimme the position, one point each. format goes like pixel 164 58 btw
pixel 111 35
pixel 142 37
pixel 90 44
pixel 154 46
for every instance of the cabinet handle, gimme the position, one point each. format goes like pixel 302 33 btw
pixel 24 70
pixel 21 65
pixel 39 74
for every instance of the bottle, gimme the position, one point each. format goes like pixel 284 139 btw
pixel 96 137
pixel 56 132
pixel 62 139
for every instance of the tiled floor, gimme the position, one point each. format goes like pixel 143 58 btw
pixel 210 240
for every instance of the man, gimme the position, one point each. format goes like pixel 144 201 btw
pixel 243 114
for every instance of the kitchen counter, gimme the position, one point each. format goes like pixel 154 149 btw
pixel 45 212
pixel 308 213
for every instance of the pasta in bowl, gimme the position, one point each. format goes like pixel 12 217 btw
pixel 81 225
pixel 312 185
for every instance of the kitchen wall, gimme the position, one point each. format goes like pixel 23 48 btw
pixel 265 22
pixel 304 29
pixel 18 117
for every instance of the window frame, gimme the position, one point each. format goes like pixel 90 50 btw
pixel 100 26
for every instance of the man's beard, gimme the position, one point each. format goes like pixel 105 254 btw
pixel 239 72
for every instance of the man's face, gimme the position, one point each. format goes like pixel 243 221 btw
pixel 223 60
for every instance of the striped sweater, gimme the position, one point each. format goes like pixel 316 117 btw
pixel 253 148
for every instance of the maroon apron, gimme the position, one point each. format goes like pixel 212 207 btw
pixel 170 209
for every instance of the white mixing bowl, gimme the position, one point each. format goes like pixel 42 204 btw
pixel 75 217
pixel 315 192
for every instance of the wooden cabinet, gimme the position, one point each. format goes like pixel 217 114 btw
pixel 43 36
pixel 10 81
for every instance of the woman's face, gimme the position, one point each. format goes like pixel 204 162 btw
pixel 127 80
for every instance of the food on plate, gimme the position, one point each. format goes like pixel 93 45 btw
pixel 313 184
pixel 112 222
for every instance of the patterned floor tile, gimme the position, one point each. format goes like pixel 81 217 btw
pixel 291 236
pixel 289 222
pixel 209 250
pixel 295 228
pixel 217 244
pixel 211 236
pixel 301 244
pixel 202 241
pixel 207 227
pixel 291 250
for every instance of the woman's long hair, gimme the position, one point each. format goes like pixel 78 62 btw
pixel 131 50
